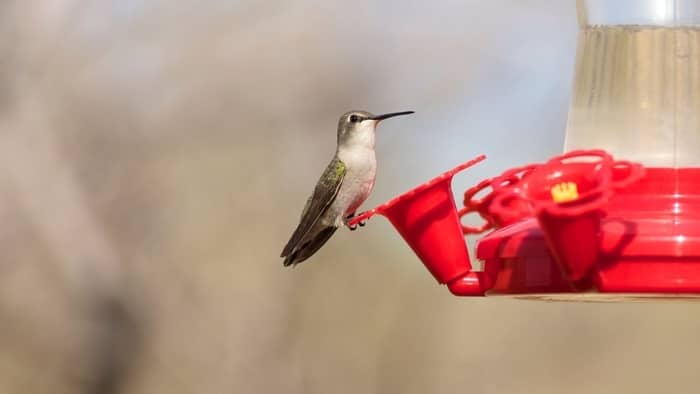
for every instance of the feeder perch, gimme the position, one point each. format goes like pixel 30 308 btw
pixel 614 218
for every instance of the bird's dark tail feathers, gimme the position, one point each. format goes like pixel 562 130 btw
pixel 308 248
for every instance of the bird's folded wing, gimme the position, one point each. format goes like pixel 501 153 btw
pixel 324 194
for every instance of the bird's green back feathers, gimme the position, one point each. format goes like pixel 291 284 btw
pixel 324 194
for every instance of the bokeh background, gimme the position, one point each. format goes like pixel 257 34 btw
pixel 154 159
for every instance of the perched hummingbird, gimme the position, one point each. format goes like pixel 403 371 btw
pixel 343 187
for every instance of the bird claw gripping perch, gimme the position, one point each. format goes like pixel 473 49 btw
pixel 352 224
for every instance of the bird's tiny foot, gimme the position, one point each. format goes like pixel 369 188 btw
pixel 347 221
pixel 362 222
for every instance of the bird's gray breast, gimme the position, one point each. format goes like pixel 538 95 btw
pixel 361 171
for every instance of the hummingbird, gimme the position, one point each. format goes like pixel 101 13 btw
pixel 342 188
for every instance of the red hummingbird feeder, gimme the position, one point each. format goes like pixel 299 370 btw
pixel 585 225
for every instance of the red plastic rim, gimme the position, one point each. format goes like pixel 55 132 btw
pixel 482 205
pixel 600 174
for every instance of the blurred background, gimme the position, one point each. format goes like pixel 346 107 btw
pixel 155 157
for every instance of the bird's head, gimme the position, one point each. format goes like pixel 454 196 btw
pixel 357 127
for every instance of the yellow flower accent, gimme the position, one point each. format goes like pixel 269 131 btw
pixel 564 192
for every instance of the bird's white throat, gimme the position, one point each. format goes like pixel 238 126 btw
pixel 362 136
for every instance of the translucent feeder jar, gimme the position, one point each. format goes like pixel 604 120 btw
pixel 637 81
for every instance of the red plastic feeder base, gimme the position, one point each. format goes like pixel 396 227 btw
pixel 581 226
pixel 649 247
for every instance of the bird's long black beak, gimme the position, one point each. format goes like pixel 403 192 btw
pixel 390 115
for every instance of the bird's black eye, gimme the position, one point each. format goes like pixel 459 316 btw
pixel 354 118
